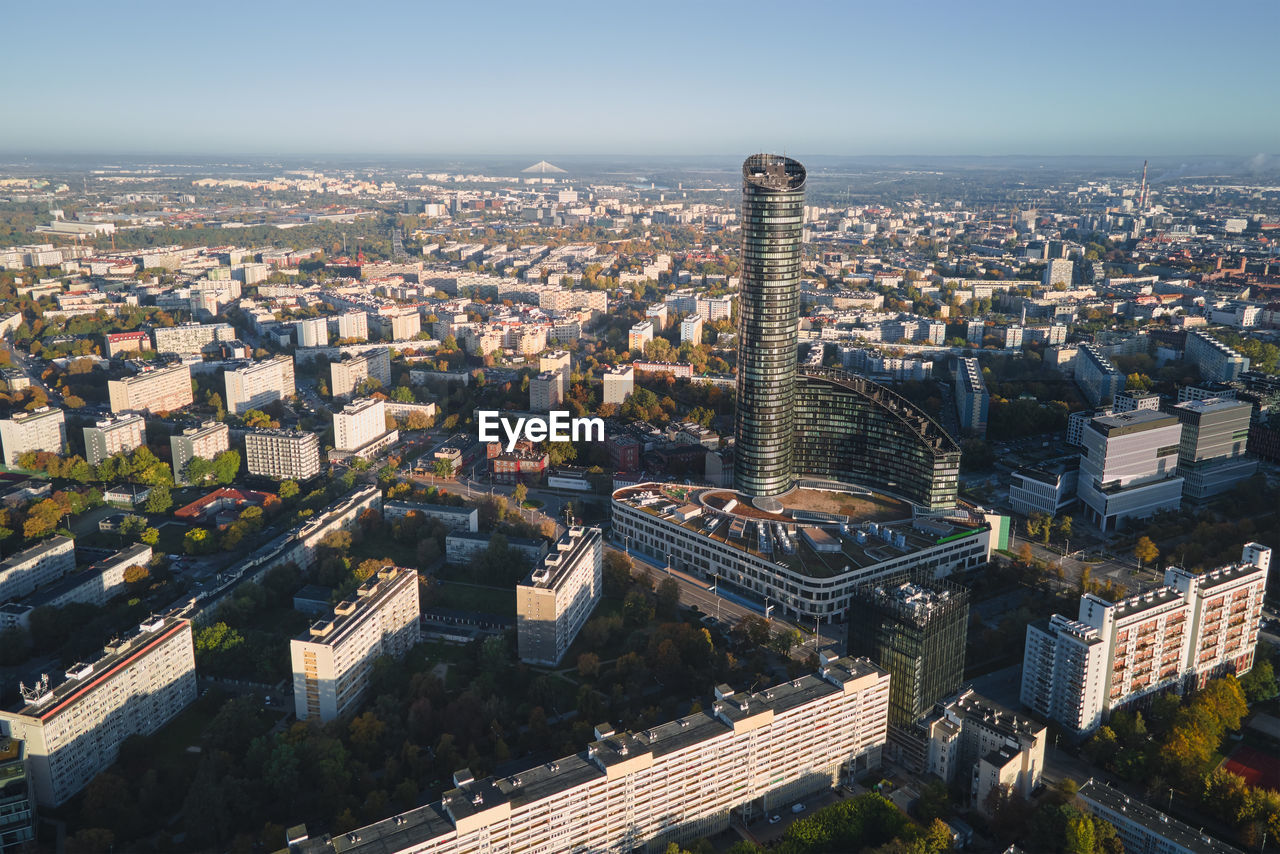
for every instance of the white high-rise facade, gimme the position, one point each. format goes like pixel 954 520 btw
pixel 259 384
pixel 559 594
pixel 111 436
pixel 154 390
pixel 43 429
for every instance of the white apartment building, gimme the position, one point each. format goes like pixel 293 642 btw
pixel 74 730
pixel 453 518
pixel 560 363
pixel 619 383
pixel 282 454
pixel 43 429
pixel 657 314
pixel 112 436
pixel 1178 636
pixel 1217 361
pixel 1143 828
pixel 360 429
pixel 750 753
pixel 349 372
pixel 154 390
pixel 545 391
pixel 206 442
pixel 41 564
pixel 96 585
pixel 333 661
pixel 260 383
pixel 691 329
pixel 343 516
pixel 351 325
pixel 1059 271
pixel 312 332
pixel 640 334
pixel 398 327
pixel 1128 469
pixel 189 339
pixel 559 594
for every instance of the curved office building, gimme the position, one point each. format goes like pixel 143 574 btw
pixel 768 317
pixel 850 429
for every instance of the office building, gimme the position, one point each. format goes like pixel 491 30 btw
pixel 206 442
pixel 73 731
pixel 558 362
pixel 1132 400
pixel 851 430
pixel 544 392
pixel 351 326
pixel 43 429
pixel 110 436
pixel 33 567
pixel 191 339
pixel 619 382
pixel 153 390
pixel 17 801
pixel 972 399
pixel 1060 271
pixel 1098 379
pixel 755 556
pixel 259 384
pixel 768 322
pixel 282 454
pixel 691 330
pixel 749 754
pixel 346 374
pixel 1143 828
pixel 1176 637
pixel 360 430
pixel 1129 467
pixel 1211 456
pixel 558 595
pixel 333 661
pixel 1049 488
pixel 640 334
pixel 972 739
pixel 1217 362
pixel 916 631
pixel 312 332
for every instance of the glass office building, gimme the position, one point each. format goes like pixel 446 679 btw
pixel 768 316
pixel 850 429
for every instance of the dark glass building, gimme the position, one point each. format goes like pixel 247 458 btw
pixel 850 429
pixel 914 628
pixel 768 317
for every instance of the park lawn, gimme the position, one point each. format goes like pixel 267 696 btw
pixel 488 600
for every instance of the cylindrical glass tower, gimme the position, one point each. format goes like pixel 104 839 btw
pixel 768 316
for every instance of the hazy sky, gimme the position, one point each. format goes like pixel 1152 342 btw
pixel 691 77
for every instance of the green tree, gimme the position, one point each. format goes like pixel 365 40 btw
pixel 668 595
pixel 159 501
pixel 150 536
pixel 226 466
pixel 288 489
pixel 520 494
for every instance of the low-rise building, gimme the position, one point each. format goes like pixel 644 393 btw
pixel 41 564
pixel 1143 828
pixel 459 546
pixel 453 518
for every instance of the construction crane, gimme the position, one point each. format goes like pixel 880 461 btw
pixel 1142 193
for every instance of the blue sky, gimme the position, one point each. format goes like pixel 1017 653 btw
pixel 842 78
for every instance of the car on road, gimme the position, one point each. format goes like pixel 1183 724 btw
pixel 774 819
pixel 797 808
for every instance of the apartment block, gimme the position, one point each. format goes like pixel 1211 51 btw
pixel 748 754
pixel 1175 637
pixel 342 516
pixel 1059 271
pixel 691 329
pixel 619 383
pixel 17 805
pixel 453 518
pixel 333 661
pixel 312 332
pixel 1212 457
pixel 657 314
pixel 348 372
pixel 1097 376
pixel 41 564
pixel 398 327
pixel 972 398
pixel 153 390
pixel 360 429
pixel 1217 362
pixel 545 391
pixel 190 339
pixel 1130 401
pixel 282 454
pixel 43 429
pixel 73 731
pixel 1128 469
pixel 640 334
pixel 111 436
pixel 1144 828
pixel 558 362
pixel 559 594
pixel 259 384
pixel 351 326
pixel 206 442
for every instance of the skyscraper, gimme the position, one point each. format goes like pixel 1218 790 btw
pixel 768 314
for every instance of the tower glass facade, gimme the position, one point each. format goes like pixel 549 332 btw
pixel 768 316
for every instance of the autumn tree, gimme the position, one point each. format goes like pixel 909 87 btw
pixel 1146 551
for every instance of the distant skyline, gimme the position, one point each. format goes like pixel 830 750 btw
pixel 660 78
